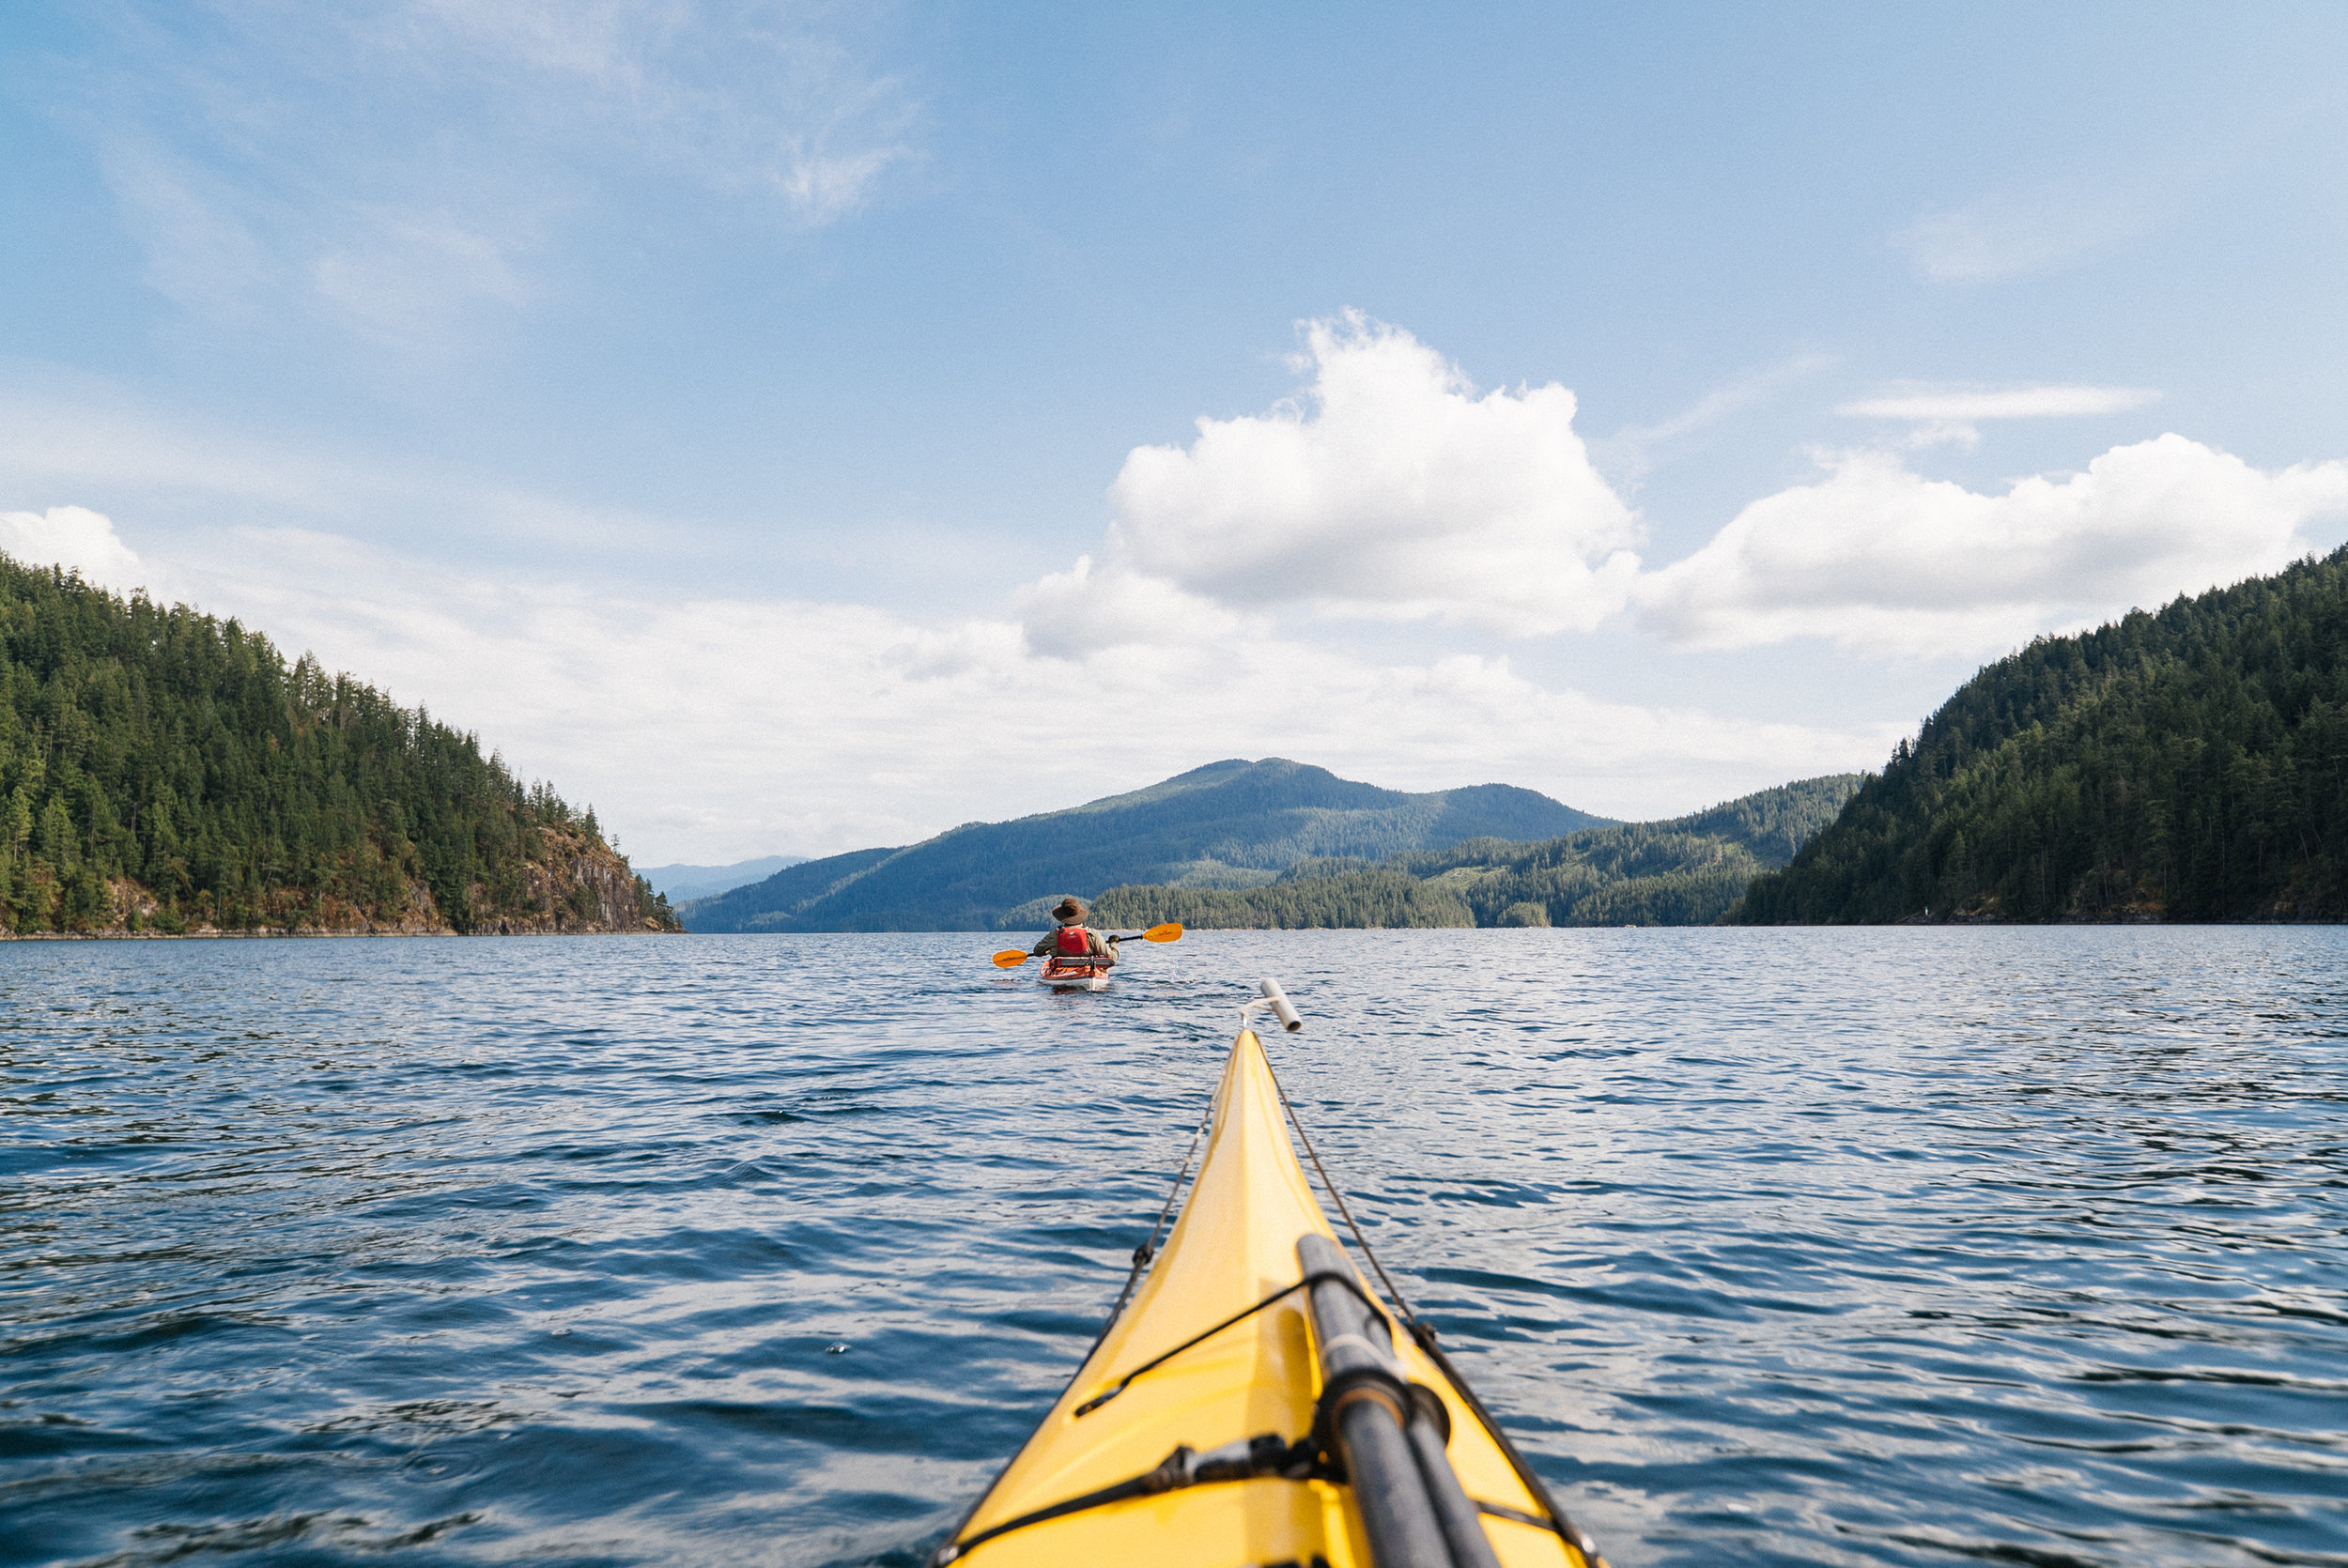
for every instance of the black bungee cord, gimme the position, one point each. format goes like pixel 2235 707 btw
pixel 1419 1331
pixel 1424 1332
pixel 1148 1250
pixel 1184 1467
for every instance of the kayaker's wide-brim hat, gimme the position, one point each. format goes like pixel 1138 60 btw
pixel 1070 909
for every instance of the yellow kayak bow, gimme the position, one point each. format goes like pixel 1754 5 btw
pixel 1256 1404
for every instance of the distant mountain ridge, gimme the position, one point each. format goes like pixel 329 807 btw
pixel 1685 871
pixel 1233 824
pixel 679 883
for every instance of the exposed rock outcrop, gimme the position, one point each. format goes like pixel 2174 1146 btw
pixel 576 886
pixel 581 887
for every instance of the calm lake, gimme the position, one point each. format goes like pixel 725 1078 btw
pixel 1769 1247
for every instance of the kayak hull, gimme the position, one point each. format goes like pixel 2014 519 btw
pixel 1234 1245
pixel 1074 977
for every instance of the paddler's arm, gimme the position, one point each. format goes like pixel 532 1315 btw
pixel 1043 944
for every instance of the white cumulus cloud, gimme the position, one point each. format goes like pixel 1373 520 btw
pixel 714 728
pixel 76 539
pixel 1087 608
pixel 1392 489
pixel 1880 559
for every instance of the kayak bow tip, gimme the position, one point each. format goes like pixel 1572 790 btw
pixel 1276 999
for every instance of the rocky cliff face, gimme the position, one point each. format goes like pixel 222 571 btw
pixel 576 885
pixel 580 886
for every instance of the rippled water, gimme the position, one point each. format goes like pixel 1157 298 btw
pixel 1888 1246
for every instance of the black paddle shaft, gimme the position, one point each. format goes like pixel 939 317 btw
pixel 1462 1529
pixel 1364 1404
pixel 1396 1513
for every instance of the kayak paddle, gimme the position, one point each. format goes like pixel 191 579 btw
pixel 1012 958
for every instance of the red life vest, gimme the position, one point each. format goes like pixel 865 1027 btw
pixel 1073 942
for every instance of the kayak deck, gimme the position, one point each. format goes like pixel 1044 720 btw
pixel 1235 1245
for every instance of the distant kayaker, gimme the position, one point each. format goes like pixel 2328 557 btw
pixel 1075 940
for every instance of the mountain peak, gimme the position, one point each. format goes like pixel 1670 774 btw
pixel 1231 823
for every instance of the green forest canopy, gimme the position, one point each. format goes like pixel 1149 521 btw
pixel 2189 765
pixel 160 767
pixel 1353 898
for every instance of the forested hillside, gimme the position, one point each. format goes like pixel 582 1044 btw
pixel 1353 898
pixel 163 770
pixel 1229 824
pixel 1685 871
pixel 2185 765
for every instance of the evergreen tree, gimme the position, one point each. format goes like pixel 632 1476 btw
pixel 162 767
pixel 2190 764
pixel 1348 900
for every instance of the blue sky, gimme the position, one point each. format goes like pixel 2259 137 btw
pixel 711 404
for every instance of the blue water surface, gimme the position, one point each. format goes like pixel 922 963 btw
pixel 1771 1247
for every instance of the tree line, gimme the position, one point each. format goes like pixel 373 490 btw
pixel 163 769
pixel 1350 899
pixel 2187 764
pixel 1686 871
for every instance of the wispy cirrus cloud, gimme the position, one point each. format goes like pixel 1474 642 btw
pixel 743 97
pixel 2013 234
pixel 402 169
pixel 1970 404
pixel 87 440
pixel 1953 415
pixel 1630 453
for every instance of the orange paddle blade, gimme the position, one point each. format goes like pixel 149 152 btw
pixel 1010 959
pixel 1171 931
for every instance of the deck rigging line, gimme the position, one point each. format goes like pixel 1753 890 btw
pixel 1422 1334
pixel 1266 1455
